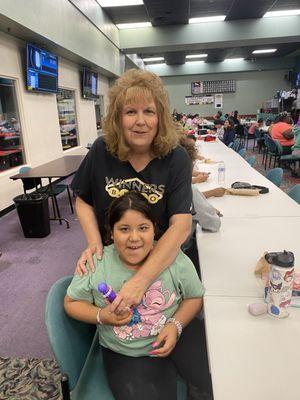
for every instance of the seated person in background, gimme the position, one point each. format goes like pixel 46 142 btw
pixel 229 132
pixel 296 147
pixel 218 129
pixel 206 215
pixel 189 144
pixel 192 139
pixel 147 346
pixel 260 124
pixel 219 116
pixel 282 131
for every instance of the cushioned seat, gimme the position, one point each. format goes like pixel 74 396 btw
pixel 77 351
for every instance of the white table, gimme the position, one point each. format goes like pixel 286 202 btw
pixel 275 203
pixel 228 257
pixel 252 358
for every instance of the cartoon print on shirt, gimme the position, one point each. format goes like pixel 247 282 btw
pixel 148 318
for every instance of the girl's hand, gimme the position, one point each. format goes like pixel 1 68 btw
pixel 218 192
pixel 201 177
pixel 87 256
pixel 108 317
pixel 167 338
pixel 131 294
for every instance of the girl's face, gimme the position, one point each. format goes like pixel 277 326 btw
pixel 226 124
pixel 140 125
pixel 133 236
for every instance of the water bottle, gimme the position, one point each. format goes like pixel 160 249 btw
pixel 279 292
pixel 221 173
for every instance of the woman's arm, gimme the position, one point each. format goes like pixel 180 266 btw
pixel 163 254
pixel 89 225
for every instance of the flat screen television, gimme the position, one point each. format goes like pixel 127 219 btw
pixel 89 84
pixel 42 70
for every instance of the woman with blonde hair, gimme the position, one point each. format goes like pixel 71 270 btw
pixel 138 151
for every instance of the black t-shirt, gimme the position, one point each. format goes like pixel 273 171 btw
pixel 165 182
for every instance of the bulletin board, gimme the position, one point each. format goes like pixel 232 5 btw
pixel 207 87
pixel 195 100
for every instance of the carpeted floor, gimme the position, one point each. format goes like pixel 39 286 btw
pixel 29 379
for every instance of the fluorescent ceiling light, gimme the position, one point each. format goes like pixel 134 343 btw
pixel 207 19
pixel 283 13
pixel 153 59
pixel 264 51
pixel 194 62
pixel 119 3
pixel 234 59
pixel 196 55
pixel 134 25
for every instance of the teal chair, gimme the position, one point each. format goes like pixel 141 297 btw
pixel 275 176
pixel 294 193
pixel 251 160
pixel 230 145
pixel 242 152
pixel 77 351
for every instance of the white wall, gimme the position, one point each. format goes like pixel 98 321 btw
pixel 39 116
pixel 252 88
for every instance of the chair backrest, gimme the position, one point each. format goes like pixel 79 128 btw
pixel 257 133
pixel 279 147
pixel 242 152
pixel 271 144
pixel 29 183
pixel 236 144
pixel 251 160
pixel 70 340
pixel 275 176
pixel 230 145
pixel 294 193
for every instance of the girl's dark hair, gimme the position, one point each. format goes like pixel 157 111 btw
pixel 131 200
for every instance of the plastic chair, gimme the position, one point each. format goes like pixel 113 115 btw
pixel 251 160
pixel 275 176
pixel 77 351
pixel 242 152
pixel 294 193
pixel 272 151
pixel 230 145
pixel 236 144
pixel 30 183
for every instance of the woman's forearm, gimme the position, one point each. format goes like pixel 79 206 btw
pixel 188 310
pixel 88 221
pixel 167 248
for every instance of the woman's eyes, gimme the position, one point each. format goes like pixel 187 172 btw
pixel 124 229
pixel 148 111
pixel 142 228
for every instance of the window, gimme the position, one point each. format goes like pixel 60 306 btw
pixel 11 149
pixel 67 118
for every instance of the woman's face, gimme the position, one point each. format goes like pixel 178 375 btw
pixel 226 124
pixel 133 236
pixel 140 125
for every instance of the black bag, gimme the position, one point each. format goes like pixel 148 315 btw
pixel 245 185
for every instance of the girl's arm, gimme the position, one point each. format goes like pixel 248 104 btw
pixel 168 336
pixel 89 225
pixel 163 254
pixel 87 312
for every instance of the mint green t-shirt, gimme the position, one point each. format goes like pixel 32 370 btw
pixel 160 301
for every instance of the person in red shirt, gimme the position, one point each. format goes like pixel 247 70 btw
pixel 282 131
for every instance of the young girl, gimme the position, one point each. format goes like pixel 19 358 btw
pixel 145 348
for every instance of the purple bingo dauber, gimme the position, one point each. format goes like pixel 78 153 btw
pixel 107 291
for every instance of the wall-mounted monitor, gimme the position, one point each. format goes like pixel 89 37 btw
pixel 42 70
pixel 89 84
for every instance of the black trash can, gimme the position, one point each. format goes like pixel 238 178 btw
pixel 33 212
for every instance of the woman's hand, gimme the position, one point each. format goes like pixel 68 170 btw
pixel 108 317
pixel 167 338
pixel 131 294
pixel 87 256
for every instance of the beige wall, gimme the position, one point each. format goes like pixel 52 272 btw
pixel 38 115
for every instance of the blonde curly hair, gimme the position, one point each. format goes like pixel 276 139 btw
pixel 132 87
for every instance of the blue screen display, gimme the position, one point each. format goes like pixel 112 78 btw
pixel 42 70
pixel 298 81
